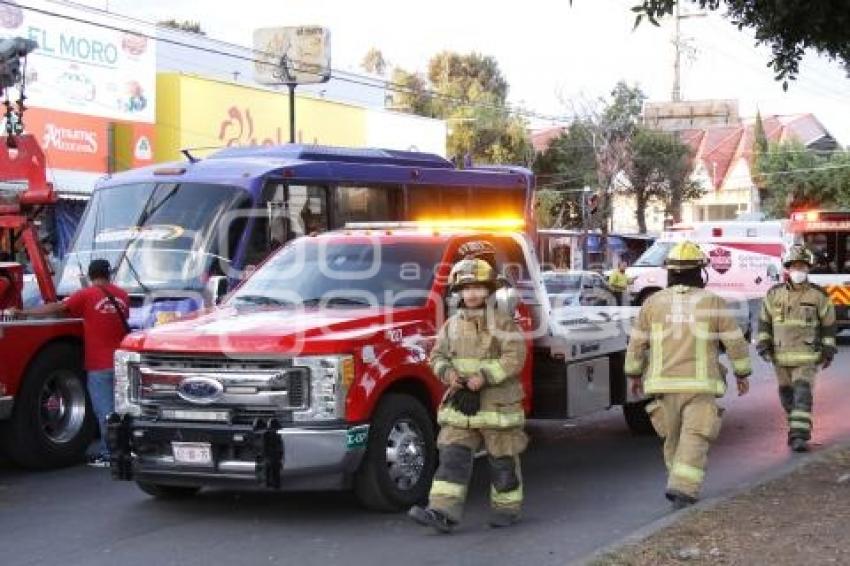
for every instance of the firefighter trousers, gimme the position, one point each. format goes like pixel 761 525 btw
pixel 688 423
pixel 795 393
pixel 457 449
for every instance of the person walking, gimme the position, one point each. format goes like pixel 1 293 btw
pixel 479 355
pixel 619 283
pixel 796 332
pixel 104 308
pixel 673 356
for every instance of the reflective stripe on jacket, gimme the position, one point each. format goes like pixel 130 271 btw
pixel 797 322
pixel 674 343
pixel 491 344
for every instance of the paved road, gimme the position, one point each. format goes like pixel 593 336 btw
pixel 589 483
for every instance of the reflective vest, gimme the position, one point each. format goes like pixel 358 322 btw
pixel 618 281
pixel 674 343
pixel 797 322
pixel 491 344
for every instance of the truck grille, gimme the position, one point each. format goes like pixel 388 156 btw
pixel 246 387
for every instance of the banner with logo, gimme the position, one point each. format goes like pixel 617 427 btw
pixel 84 68
pixel 70 141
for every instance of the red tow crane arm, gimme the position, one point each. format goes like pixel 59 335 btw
pixel 22 160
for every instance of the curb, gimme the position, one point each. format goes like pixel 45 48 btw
pixel 652 528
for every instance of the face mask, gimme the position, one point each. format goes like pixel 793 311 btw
pixel 798 277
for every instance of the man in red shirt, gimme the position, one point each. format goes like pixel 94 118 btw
pixel 104 309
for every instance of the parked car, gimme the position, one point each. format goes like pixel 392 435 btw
pixel 577 288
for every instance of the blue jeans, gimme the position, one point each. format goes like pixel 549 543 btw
pixel 101 392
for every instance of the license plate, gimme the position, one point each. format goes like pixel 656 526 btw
pixel 192 453
pixel 190 415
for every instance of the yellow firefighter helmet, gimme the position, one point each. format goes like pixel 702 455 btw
pixel 472 272
pixel 798 253
pixel 685 255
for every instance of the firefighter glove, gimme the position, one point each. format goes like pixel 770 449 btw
pixel 466 401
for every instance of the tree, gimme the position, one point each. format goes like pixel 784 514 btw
pixel 660 168
pixel 797 179
pixel 788 27
pixel 374 62
pixel 410 93
pixel 183 25
pixel 563 170
pixel 470 93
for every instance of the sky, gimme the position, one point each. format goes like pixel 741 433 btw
pixel 553 54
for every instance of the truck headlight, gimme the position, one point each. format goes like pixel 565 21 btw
pixel 330 378
pixel 127 382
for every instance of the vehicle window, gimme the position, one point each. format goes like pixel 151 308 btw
pixel 824 247
pixel 655 255
pixel 313 272
pixel 428 201
pixel 558 284
pixel 510 261
pixel 286 212
pixel 363 204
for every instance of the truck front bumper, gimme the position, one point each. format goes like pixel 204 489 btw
pixel 264 454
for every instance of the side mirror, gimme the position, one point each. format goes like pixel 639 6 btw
pixel 216 289
pixel 507 300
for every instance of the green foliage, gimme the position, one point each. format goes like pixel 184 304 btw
pixel 183 25
pixel 794 178
pixel 567 166
pixel 789 27
pixel 374 62
pixel 411 93
pixel 470 93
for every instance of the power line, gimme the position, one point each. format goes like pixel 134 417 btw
pixel 339 74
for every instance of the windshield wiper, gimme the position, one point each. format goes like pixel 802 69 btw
pixel 338 301
pixel 262 300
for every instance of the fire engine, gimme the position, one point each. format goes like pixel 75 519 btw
pixel 314 374
pixel 827 234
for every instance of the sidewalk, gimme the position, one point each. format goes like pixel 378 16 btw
pixel 802 518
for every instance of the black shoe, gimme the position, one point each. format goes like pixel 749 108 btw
pixel 502 519
pixel 679 499
pixel 431 518
pixel 799 445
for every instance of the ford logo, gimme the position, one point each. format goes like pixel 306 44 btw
pixel 201 390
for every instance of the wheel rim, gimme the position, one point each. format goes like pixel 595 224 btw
pixel 405 454
pixel 62 407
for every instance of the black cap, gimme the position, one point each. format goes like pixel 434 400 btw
pixel 99 269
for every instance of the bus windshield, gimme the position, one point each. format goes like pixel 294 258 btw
pixel 311 272
pixel 655 255
pixel 156 236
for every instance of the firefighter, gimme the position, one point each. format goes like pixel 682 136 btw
pixel 673 357
pixel 796 333
pixel 479 354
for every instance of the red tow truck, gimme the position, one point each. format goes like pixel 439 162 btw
pixel 313 373
pixel 44 415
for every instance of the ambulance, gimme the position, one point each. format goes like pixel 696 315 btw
pixel 745 261
pixel 827 234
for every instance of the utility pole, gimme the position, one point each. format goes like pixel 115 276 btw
pixel 677 51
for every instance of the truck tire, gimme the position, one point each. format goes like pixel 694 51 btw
pixel 644 295
pixel 52 423
pixel 638 419
pixel 400 458
pixel 161 491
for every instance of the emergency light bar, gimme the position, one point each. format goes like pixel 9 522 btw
pixel 440 224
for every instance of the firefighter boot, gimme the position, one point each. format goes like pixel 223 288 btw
pixel 505 492
pixel 428 517
pixel 800 417
pixel 678 499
